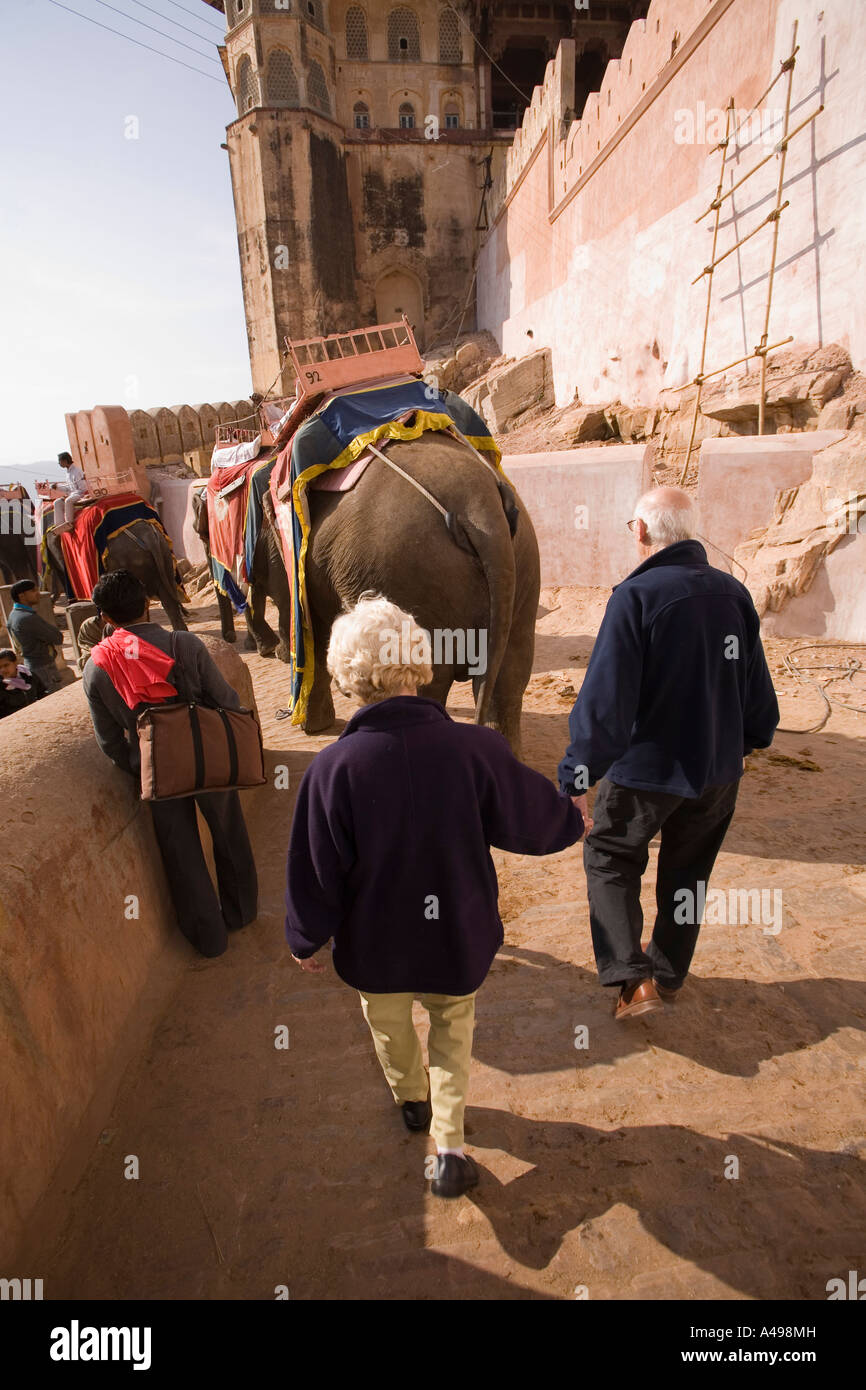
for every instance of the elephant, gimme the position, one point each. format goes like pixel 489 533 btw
pixel 268 580
pixel 143 550
pixel 475 570
pixel 18 541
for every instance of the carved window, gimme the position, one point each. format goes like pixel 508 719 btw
pixel 248 87
pixel 317 91
pixel 450 46
pixel 356 33
pixel 361 113
pixel 407 116
pixel 282 84
pixel 452 116
pixel 404 43
pixel 313 11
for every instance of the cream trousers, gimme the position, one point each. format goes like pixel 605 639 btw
pixel 452 1019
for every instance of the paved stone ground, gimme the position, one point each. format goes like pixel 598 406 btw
pixel 603 1168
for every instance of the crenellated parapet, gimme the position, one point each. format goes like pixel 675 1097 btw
pixel 579 138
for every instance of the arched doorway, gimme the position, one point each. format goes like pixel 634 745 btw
pixel 399 292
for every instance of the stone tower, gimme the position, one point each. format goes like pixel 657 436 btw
pixel 363 140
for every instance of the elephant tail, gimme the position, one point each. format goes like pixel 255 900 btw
pixel 493 547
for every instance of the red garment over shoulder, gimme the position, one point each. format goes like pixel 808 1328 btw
pixel 137 669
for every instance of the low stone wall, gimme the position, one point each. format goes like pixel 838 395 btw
pixel 89 946
pixel 580 501
pixel 739 478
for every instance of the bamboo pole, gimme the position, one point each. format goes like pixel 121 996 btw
pixel 780 184
pixel 699 379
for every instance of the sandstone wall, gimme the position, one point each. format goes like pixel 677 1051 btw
pixel 596 240
pixel 81 979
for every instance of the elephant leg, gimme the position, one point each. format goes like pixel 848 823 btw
pixel 227 617
pixel 320 707
pixel 250 643
pixel 174 612
pixel 511 682
pixel 258 627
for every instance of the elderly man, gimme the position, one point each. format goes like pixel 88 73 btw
pixel 676 694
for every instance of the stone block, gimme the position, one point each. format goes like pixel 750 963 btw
pixel 515 388
pixel 584 423
pixel 739 478
pixel 580 501
pixel 836 415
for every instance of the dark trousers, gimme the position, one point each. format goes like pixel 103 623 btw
pixel 615 856
pixel 205 916
pixel 49 676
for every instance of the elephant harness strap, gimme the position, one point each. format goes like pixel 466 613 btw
pixel 456 531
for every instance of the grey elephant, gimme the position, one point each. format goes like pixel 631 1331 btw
pixel 18 547
pixel 143 550
pixel 268 580
pixel 476 571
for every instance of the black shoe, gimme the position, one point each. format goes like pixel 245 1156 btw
pixel 454 1175
pixel 416 1115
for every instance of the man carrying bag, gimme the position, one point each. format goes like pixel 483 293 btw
pixel 142 666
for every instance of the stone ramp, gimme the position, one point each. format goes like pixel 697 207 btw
pixel 603 1168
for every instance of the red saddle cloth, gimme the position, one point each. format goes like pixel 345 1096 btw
pixel 79 545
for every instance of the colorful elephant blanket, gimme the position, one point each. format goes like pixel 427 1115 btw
pixel 234 515
pixel 335 436
pixel 85 547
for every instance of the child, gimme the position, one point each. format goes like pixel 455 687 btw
pixel 20 687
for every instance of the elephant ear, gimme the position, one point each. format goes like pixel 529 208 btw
pixel 458 535
pixel 509 505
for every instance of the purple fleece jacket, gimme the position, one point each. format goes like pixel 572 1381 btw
pixel 389 852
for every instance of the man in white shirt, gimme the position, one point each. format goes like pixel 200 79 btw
pixel 78 488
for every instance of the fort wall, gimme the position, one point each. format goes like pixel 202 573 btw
pixel 595 239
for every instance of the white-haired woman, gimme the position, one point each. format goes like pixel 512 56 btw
pixel 389 858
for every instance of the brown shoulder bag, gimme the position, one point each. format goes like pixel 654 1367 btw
pixel 187 747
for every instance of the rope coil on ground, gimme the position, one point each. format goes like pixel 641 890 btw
pixel 845 670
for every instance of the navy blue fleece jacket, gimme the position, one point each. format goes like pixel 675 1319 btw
pixel 389 853
pixel 677 690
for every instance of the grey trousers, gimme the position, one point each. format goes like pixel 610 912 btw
pixel 615 856
pixel 206 915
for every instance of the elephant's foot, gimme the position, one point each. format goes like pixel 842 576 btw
pixel 250 644
pixel 283 652
pixel 318 726
pixel 320 714
pixel 230 637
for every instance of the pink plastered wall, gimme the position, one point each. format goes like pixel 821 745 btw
pixel 595 241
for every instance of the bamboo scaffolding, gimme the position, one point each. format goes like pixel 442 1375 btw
pixel 761 349
pixel 780 149
pixel 699 379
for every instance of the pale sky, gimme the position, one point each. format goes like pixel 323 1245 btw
pixel 120 275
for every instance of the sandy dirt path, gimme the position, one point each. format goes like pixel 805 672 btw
pixel 604 1168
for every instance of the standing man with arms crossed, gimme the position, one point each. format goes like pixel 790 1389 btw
pixel 676 694
pixel 36 637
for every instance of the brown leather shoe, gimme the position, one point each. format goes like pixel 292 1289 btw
pixel 639 997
